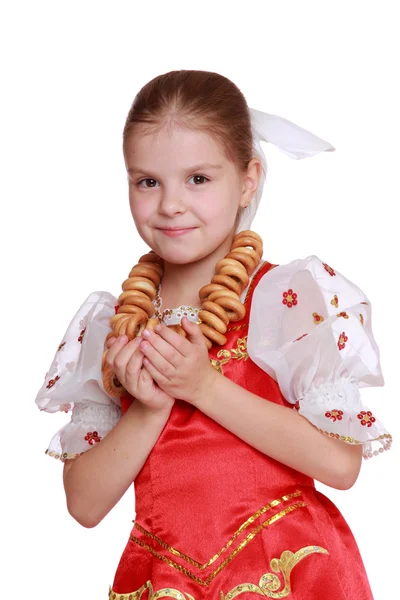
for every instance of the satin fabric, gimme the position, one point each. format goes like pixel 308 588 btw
pixel 216 518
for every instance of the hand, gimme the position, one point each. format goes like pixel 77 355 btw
pixel 180 366
pixel 126 360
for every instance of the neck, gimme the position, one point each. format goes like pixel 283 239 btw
pixel 181 283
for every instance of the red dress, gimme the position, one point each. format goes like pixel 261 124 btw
pixel 217 519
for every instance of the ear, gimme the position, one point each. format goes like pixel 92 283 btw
pixel 251 179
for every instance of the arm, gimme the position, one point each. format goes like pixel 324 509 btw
pixel 281 433
pixel 95 481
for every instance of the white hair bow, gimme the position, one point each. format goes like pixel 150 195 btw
pixel 292 140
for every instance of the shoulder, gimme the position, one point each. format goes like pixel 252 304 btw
pixel 308 273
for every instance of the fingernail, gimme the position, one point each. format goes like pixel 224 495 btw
pixel 157 327
pixel 123 338
pixel 146 333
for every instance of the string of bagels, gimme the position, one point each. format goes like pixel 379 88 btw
pixel 220 299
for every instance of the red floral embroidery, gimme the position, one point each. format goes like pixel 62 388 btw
pixel 342 339
pixel 52 382
pixel 343 314
pixel 289 298
pixel 92 437
pixel 300 338
pixel 318 318
pixel 366 418
pixel 329 269
pixel 366 303
pixel 80 338
pixel 361 319
pixel 297 405
pixel 334 415
pixel 61 346
pixel 65 407
pixel 335 301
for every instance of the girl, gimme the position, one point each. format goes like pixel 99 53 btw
pixel 224 410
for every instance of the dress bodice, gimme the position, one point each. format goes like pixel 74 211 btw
pixel 204 494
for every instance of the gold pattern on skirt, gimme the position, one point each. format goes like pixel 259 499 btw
pixel 243 544
pixel 224 355
pixel 243 526
pixel 268 585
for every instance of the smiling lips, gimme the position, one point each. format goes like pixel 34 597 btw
pixel 175 232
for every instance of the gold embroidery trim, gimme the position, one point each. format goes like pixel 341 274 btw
pixel 242 527
pixel 268 585
pixel 242 545
pixel 63 457
pixel 351 440
pixel 224 355
pixel 164 593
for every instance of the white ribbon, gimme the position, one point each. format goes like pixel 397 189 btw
pixel 292 140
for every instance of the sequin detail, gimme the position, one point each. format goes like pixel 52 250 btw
pixel 52 382
pixel 289 298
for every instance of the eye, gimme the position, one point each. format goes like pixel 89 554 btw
pixel 147 179
pixel 197 177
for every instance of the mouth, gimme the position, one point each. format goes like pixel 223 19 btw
pixel 175 231
pixel 175 228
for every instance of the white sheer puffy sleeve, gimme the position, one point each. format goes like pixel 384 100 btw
pixel 310 329
pixel 74 381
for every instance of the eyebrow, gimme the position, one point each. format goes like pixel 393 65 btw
pixel 200 167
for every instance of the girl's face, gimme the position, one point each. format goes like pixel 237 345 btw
pixel 179 179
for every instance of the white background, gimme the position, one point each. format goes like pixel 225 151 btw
pixel 69 75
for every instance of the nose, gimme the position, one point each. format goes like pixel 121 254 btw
pixel 172 202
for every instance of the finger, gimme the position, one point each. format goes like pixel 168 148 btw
pixel 111 341
pixel 157 360
pixel 181 344
pixel 193 331
pixel 158 377
pixel 121 344
pixel 167 350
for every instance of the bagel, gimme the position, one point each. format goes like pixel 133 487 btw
pixel 212 335
pixel 178 328
pixel 235 272
pixel 119 327
pixel 135 325
pixel 142 284
pixel 150 257
pixel 245 259
pixel 209 289
pixel 234 308
pixel 248 241
pixel 213 321
pixel 129 309
pixel 220 293
pixel 226 262
pixel 228 282
pixel 136 298
pixel 249 233
pixel 151 271
pixel 250 252
pixel 111 383
pixel 217 310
